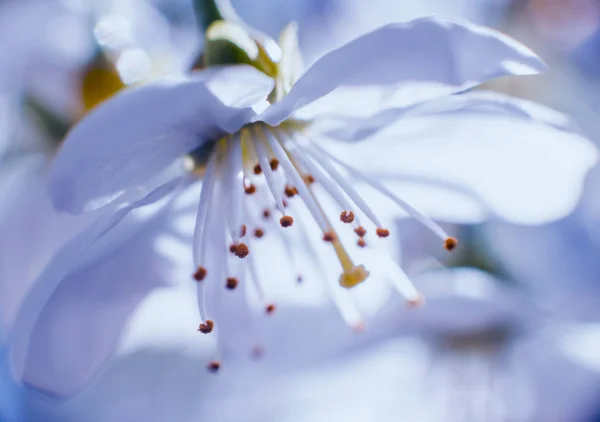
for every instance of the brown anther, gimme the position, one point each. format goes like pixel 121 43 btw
pixel 290 191
pixel 241 250
pixel 347 217
pixel 284 203
pixel 232 283
pixel 213 366
pixel 233 248
pixel 200 274
pixel 266 213
pixel 270 309
pixel 361 242
pixel 360 231
pixel 274 163
pixel 257 169
pixel 286 221
pixel 243 230
pixel 206 327
pixel 450 244
pixel 259 233
pixel 329 237
pixel 309 179
pixel 250 189
pixel 381 232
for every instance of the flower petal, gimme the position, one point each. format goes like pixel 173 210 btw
pixel 473 103
pixel 447 54
pixel 30 229
pixel 71 321
pixel 523 172
pixel 133 136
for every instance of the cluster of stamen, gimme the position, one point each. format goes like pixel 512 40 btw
pixel 262 163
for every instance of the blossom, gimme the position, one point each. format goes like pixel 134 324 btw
pixel 237 129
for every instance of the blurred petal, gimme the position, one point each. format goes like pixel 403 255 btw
pixel 521 171
pixel 473 103
pixel 448 55
pixel 71 321
pixel 139 132
pixel 30 229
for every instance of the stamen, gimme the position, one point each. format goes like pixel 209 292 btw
pixel 330 187
pixel 257 170
pixel 214 366
pixel 413 212
pixel 233 248
pixel 360 231
pixel 274 164
pixel 342 183
pixel 290 191
pixel 234 185
pixel 263 157
pixel 250 189
pixel 243 230
pixel 347 217
pixel 207 327
pixel 329 237
pixel 241 250
pixel 286 221
pixel 309 179
pixel 381 232
pixel 361 242
pixel 258 233
pixel 266 213
pixel 200 274
pixel 450 243
pixel 270 309
pixel 352 274
pixel 232 283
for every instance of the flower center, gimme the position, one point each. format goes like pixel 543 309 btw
pixel 262 172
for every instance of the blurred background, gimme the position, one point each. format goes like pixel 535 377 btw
pixel 514 335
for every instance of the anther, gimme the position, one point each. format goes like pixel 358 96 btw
pixel 200 274
pixel 450 243
pixel 309 179
pixel 213 366
pixel 206 327
pixel 299 279
pixel 257 169
pixel 270 309
pixel 250 189
pixel 284 203
pixel 347 217
pixel 290 191
pixel 243 230
pixel 360 231
pixel 329 237
pixel 286 221
pixel 266 213
pixel 259 233
pixel 232 283
pixel 361 242
pixel 233 248
pixel 381 232
pixel 274 163
pixel 242 250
